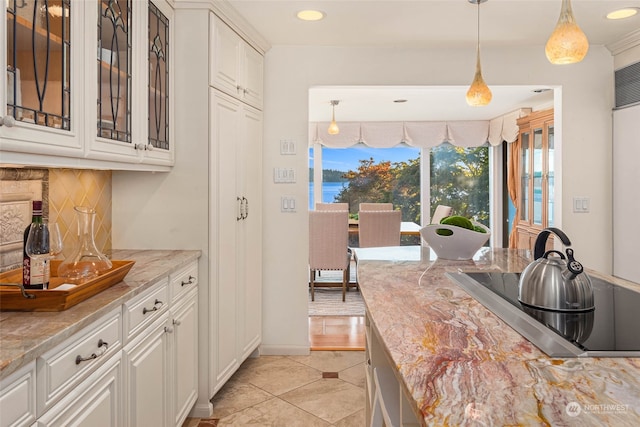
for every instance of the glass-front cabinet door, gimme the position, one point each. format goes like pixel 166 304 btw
pixel 160 111
pixel 536 165
pixel 114 70
pixel 87 79
pixel 131 80
pixel 41 41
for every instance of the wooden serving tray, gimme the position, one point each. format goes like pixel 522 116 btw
pixel 11 298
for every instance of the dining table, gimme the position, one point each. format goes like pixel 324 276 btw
pixel 407 228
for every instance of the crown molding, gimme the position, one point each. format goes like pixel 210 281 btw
pixel 231 17
pixel 629 41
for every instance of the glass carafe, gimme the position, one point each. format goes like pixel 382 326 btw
pixel 86 262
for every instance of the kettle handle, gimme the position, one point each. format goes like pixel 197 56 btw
pixel 541 240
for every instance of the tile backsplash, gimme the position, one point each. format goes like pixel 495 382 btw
pixel 61 190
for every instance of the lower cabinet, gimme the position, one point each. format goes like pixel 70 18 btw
pixel 146 362
pixel 136 366
pixel 96 402
pixel 184 353
pixel 18 397
pixel 386 403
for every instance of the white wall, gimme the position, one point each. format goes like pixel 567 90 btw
pixel 584 135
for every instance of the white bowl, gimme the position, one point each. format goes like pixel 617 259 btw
pixel 460 245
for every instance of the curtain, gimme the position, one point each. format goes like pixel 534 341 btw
pixel 427 134
pixel 513 186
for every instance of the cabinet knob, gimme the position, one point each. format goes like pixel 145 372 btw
pixel 7 121
pixel 168 329
pixel 176 322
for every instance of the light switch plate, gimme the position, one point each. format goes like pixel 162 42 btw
pixel 287 147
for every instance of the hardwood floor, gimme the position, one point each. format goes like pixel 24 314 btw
pixel 336 332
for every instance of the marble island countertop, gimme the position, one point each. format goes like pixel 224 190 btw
pixel 26 335
pixel 459 364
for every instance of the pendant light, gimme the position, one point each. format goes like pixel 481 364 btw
pixel 479 93
pixel 567 44
pixel 333 126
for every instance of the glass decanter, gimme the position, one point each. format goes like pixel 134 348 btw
pixel 86 262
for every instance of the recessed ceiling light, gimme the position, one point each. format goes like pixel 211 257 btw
pixel 310 15
pixel 622 13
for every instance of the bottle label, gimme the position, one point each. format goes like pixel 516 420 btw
pixel 39 273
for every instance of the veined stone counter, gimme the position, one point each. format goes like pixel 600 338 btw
pixel 459 364
pixel 26 335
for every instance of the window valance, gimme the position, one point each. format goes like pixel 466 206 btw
pixel 425 134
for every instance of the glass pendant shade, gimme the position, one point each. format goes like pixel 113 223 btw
pixel 479 93
pixel 567 44
pixel 333 126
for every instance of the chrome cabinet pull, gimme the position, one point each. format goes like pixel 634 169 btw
pixel 191 280
pixel 156 306
pixel 102 349
pixel 246 207
pixel 239 216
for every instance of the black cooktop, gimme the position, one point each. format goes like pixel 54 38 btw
pixel 611 329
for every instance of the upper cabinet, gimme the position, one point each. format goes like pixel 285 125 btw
pixel 236 68
pixel 88 80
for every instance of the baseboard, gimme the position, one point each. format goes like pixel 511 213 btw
pixel 284 350
pixel 201 410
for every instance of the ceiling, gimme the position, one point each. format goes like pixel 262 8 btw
pixel 426 24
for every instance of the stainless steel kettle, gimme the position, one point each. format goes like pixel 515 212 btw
pixel 553 281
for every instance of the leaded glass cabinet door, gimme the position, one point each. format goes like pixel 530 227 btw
pixel 41 40
pixel 159 147
pixel 114 68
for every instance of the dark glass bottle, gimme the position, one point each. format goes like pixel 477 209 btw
pixel 35 271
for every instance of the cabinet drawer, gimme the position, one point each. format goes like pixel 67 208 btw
pixel 18 397
pixel 63 367
pixel 95 402
pixel 142 310
pixel 183 281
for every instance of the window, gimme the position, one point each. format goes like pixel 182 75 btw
pixel 454 176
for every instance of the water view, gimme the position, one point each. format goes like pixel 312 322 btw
pixel 329 191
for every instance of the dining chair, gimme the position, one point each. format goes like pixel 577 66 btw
pixel 375 207
pixel 332 206
pixel 328 247
pixel 441 212
pixel 379 228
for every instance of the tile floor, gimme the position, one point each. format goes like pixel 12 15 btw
pixel 291 391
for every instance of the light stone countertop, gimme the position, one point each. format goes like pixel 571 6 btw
pixel 462 365
pixel 26 335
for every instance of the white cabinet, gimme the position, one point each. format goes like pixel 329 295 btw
pixel 161 358
pixel 236 136
pixel 54 102
pixel 146 373
pixel 184 355
pixel 183 289
pixel 61 369
pixel 96 402
pixel 235 67
pixel 386 402
pixel 626 204
pixel 18 397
